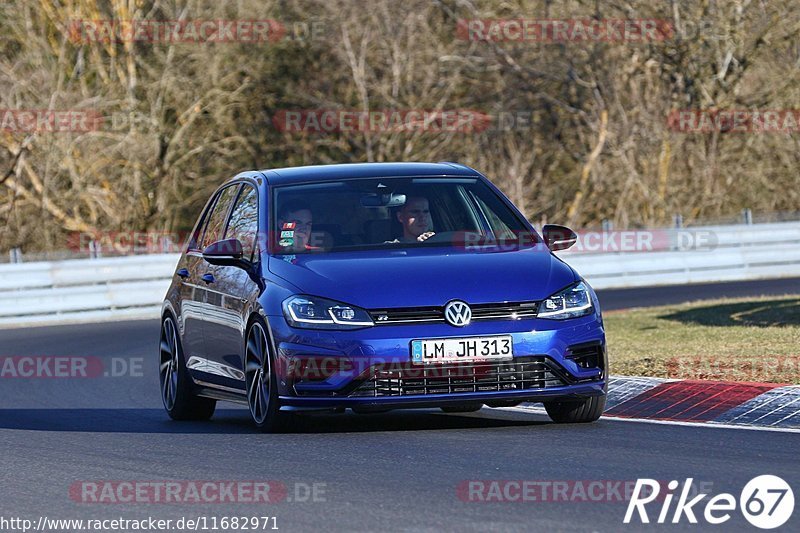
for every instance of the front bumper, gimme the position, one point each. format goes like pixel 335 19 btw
pixel 571 392
pixel 325 369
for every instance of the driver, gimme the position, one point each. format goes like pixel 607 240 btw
pixel 415 218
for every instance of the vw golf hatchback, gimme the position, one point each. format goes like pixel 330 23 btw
pixel 375 287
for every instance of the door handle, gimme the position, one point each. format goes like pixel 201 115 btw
pixel 208 278
pixel 183 273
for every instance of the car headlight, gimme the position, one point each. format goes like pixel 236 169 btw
pixel 572 302
pixel 321 313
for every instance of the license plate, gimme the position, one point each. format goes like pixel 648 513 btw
pixel 467 349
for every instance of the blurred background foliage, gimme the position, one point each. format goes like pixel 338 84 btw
pixel 180 118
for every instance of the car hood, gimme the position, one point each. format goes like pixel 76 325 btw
pixel 425 276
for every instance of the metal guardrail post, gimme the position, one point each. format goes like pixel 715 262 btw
pixel 167 246
pixel 747 216
pixel 94 250
pixel 677 223
pixel 15 255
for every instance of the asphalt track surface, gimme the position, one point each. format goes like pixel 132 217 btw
pixel 388 472
pixel 613 299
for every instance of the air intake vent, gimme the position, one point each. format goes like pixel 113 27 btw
pixel 405 379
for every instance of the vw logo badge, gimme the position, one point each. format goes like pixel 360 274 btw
pixel 457 313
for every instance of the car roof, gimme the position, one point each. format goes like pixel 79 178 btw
pixel 281 176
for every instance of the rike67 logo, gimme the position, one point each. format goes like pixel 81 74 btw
pixel 766 502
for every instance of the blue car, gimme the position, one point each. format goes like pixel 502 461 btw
pixel 373 287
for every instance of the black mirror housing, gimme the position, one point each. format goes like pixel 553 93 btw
pixel 227 252
pixel 558 237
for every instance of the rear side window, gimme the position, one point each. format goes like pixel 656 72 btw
pixel 200 227
pixel 216 220
pixel 243 224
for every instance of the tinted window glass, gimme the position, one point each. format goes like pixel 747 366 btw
pixel 499 226
pixel 200 226
pixel 243 224
pixel 216 221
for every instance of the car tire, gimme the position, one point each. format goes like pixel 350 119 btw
pixel 576 412
pixel 177 394
pixel 462 408
pixel 261 382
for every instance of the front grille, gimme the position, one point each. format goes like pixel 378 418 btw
pixel 406 379
pixel 493 311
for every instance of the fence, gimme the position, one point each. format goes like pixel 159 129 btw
pixel 134 286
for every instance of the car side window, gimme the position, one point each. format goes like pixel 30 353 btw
pixel 499 227
pixel 200 226
pixel 216 221
pixel 243 223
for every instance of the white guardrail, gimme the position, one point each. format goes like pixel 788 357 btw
pixel 85 289
pixel 133 287
pixel 700 254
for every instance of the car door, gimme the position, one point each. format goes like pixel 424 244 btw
pixel 192 294
pixel 202 280
pixel 227 297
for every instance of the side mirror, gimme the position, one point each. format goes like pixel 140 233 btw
pixel 227 252
pixel 558 237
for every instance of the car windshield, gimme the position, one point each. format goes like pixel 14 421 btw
pixel 373 213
